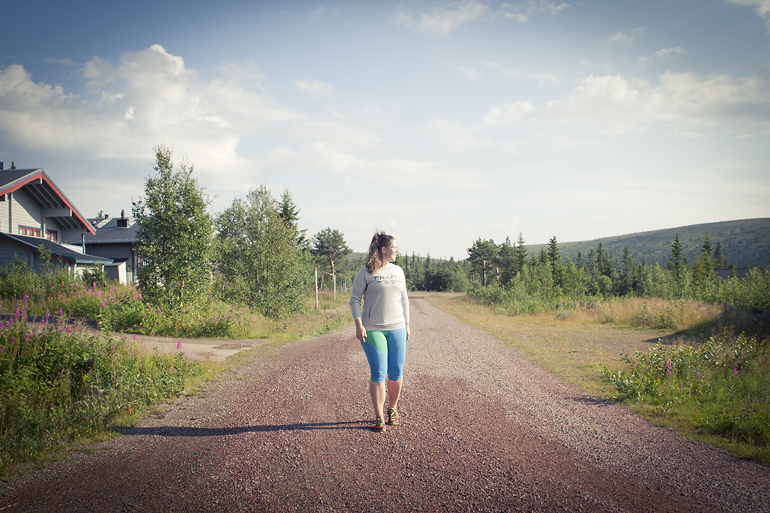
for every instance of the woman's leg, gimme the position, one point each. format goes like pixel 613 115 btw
pixel 377 391
pixel 376 349
pixel 394 392
pixel 396 359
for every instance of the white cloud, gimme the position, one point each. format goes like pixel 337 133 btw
pixel 613 104
pixel 398 173
pixel 522 11
pixel 126 109
pixel 472 74
pixel 54 60
pixel 661 55
pixel 553 79
pixel 315 88
pixel 443 20
pixel 623 39
pixel 762 7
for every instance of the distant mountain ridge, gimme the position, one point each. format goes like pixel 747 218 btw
pixel 745 243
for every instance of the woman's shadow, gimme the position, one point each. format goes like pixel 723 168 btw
pixel 226 431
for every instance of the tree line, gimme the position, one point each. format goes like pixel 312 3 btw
pixel 253 253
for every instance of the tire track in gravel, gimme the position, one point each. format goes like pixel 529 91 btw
pixel 482 430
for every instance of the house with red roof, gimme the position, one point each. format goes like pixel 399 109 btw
pixel 35 214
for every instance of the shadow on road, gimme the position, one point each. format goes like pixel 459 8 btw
pixel 226 431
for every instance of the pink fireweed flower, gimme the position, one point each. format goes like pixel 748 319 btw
pixel 26 337
pixel 134 337
pixel 61 312
pixel 698 374
pixel 13 339
pixel 735 372
pixel 42 322
pixel 69 330
pixel 669 366
pixel 158 309
pixel 179 344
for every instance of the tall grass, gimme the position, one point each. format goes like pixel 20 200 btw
pixel 60 383
pixel 62 379
pixel 718 389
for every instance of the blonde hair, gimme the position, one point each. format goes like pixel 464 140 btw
pixel 379 241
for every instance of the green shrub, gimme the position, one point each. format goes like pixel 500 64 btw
pixel 719 387
pixel 60 383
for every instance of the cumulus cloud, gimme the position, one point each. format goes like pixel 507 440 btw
pixel 762 7
pixel 625 39
pixel 613 104
pixel 315 88
pixel 443 20
pixel 149 97
pixel 661 55
pixel 553 79
pixel 398 173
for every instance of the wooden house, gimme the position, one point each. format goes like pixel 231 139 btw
pixel 34 212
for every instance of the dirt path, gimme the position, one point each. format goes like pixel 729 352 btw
pixel 483 430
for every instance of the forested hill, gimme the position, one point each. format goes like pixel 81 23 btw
pixel 745 243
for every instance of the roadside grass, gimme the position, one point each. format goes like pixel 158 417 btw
pixel 65 385
pixel 702 370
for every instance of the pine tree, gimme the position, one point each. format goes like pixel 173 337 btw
pixel 719 258
pixel 506 258
pixel 521 253
pixel 626 282
pixel 676 258
pixel 557 267
pixel 290 215
pixel 330 244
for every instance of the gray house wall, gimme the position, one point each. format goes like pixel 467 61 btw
pixel 26 211
pixel 10 253
pixel 5 207
pixel 116 252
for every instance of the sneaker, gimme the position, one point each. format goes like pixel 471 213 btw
pixel 392 417
pixel 379 425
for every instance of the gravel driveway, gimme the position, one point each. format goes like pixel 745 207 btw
pixel 482 430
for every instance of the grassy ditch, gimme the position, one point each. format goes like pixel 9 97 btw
pixel 702 370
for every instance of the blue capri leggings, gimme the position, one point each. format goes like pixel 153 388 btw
pixel 386 351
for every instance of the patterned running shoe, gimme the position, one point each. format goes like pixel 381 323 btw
pixel 379 425
pixel 392 417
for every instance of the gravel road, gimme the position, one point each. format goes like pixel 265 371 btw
pixel 482 430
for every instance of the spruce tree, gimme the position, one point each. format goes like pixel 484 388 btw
pixel 521 253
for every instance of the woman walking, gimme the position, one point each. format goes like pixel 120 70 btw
pixel 382 326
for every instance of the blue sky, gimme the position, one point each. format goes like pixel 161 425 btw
pixel 439 122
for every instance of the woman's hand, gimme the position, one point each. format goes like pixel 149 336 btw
pixel 408 333
pixel 360 331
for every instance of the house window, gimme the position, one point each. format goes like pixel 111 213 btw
pixel 28 230
pixel 52 236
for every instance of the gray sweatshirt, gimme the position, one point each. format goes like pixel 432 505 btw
pixel 386 303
